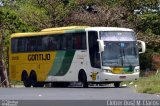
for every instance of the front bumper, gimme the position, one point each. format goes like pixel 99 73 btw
pixel 109 77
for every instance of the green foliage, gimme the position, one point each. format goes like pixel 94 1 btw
pixel 151 40
pixel 150 23
pixel 34 15
pixel 152 44
pixel 146 61
pixel 10 21
pixel 143 5
pixel 149 84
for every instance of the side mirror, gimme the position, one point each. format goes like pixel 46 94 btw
pixel 142 46
pixel 101 45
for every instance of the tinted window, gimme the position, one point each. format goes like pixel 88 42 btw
pixel 94 49
pixel 66 41
pixel 80 40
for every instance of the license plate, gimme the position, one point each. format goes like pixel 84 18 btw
pixel 122 77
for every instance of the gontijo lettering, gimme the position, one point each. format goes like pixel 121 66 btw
pixel 37 57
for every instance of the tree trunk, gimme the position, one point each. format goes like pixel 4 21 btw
pixel 4 76
pixel 3 69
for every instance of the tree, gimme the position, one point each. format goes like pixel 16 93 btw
pixel 34 15
pixel 9 23
pixel 3 68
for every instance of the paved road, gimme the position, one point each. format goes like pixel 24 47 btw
pixel 96 93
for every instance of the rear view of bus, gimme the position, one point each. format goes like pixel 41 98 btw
pixel 118 54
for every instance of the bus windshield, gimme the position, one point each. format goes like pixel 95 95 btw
pixel 120 52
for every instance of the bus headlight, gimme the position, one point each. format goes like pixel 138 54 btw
pixel 136 70
pixel 107 70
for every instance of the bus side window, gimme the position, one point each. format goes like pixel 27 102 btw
pixel 52 44
pixel 64 42
pixel 39 44
pixel 28 45
pixel 79 40
pixel 31 45
pixel 44 43
pixel 57 39
pixel 21 44
pixel 14 43
pixel 69 41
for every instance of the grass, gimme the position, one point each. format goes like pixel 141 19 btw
pixel 149 84
pixel 16 82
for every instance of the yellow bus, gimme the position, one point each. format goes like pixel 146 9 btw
pixel 74 54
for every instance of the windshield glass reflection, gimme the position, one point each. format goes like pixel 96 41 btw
pixel 118 51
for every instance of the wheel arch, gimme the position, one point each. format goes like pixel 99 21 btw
pixel 32 71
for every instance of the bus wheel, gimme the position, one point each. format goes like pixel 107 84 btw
pixel 26 79
pixel 117 84
pixel 83 79
pixel 33 78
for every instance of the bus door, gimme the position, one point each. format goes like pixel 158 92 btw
pixel 94 56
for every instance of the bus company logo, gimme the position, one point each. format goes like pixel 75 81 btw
pixel 94 75
pixel 9 103
pixel 37 57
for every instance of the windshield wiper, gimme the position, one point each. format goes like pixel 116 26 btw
pixel 121 56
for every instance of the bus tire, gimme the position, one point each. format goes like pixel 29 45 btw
pixel 83 79
pixel 26 79
pixel 117 84
pixel 33 78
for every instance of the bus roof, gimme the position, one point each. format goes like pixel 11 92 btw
pixel 107 29
pixel 34 34
pixel 87 28
pixel 65 28
pixel 60 30
pixel 48 31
